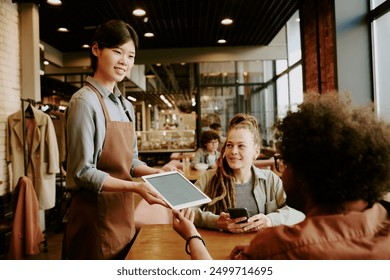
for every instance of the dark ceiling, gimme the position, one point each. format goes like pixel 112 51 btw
pixel 175 23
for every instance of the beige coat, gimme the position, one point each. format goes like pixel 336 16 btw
pixel 44 160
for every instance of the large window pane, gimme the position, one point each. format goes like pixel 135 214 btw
pixel 296 86
pixel 283 97
pixel 294 39
pixel 376 3
pixel 381 41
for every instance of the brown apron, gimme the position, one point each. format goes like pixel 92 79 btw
pixel 101 226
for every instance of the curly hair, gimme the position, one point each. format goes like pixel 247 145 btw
pixel 221 187
pixel 340 153
pixel 207 136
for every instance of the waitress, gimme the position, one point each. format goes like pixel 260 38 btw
pixel 102 153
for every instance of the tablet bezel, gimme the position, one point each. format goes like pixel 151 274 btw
pixel 192 203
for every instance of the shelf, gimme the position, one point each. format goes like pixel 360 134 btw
pixel 165 151
pixel 162 141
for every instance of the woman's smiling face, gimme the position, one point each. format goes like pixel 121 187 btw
pixel 240 149
pixel 114 63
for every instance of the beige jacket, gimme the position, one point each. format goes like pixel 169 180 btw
pixel 44 158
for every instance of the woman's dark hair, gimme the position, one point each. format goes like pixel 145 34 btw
pixel 215 126
pixel 207 136
pixel 221 187
pixel 111 34
pixel 339 153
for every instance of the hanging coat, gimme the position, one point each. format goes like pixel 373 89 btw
pixel 26 233
pixel 43 156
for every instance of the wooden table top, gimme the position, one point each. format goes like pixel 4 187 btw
pixel 161 242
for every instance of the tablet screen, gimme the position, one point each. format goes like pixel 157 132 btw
pixel 177 190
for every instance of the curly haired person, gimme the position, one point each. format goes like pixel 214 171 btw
pixel 208 152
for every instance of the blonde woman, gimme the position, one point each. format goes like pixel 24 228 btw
pixel 237 183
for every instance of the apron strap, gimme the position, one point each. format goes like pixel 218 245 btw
pixel 105 111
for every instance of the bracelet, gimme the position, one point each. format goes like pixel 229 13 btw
pixel 189 239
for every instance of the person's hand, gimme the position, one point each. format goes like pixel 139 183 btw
pixel 225 223
pixel 158 170
pixel 183 223
pixel 258 222
pixel 168 167
pixel 148 193
pixel 254 223
pixel 238 253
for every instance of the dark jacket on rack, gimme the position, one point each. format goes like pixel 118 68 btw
pixel 26 233
pixel 43 156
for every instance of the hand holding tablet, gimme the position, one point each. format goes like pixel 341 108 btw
pixel 177 191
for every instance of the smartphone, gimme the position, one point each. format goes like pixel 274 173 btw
pixel 238 213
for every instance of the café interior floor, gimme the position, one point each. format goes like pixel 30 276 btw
pixel 53 249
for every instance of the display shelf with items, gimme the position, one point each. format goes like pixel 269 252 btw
pixel 166 141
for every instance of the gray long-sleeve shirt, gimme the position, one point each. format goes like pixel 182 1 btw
pixel 85 132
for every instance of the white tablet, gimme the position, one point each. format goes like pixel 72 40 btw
pixel 177 191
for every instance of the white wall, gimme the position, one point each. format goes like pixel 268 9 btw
pixel 9 76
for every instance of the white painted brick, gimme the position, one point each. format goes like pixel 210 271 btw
pixel 9 77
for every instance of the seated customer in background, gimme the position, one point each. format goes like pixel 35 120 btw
pixel 208 152
pixel 236 182
pixel 218 128
pixel 336 163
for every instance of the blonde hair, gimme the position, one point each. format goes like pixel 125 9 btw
pixel 221 187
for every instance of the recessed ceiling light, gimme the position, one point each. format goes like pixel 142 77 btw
pixel 221 41
pixel 63 29
pixel 149 34
pixel 227 21
pixel 54 2
pixel 85 46
pixel 139 12
pixel 131 98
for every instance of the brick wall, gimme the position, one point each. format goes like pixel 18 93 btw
pixel 318 48
pixel 9 77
